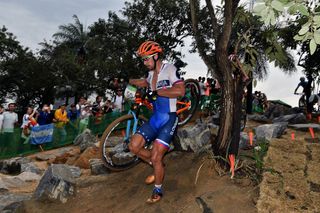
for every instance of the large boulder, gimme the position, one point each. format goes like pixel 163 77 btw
pixel 193 138
pixel 291 119
pixel 12 165
pixel 8 202
pixel 277 109
pixel 305 127
pixel 97 167
pixel 85 140
pixel 83 160
pixel 258 118
pixel 268 131
pixel 57 184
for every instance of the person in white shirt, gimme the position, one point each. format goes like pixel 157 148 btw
pixel 10 119
pixel 118 101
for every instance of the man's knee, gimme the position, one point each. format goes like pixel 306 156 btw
pixel 135 144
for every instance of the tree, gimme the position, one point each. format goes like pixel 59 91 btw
pixel 221 33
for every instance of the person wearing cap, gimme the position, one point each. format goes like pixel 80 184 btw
pixel 164 86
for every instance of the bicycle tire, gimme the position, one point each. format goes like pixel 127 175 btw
pixel 114 150
pixel 192 94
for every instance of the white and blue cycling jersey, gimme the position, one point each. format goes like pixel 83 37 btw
pixel 168 76
pixel 163 122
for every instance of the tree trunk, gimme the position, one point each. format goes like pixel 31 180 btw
pixel 249 98
pixel 220 147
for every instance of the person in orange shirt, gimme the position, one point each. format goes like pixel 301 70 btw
pixel 61 119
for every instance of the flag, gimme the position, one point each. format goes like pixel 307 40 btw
pixel 41 134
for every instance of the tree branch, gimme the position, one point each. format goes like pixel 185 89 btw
pixel 227 25
pixel 214 20
pixel 194 6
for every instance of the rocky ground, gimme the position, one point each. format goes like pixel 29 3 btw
pixel 72 179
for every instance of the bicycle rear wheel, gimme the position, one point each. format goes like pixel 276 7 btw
pixel 114 150
pixel 187 105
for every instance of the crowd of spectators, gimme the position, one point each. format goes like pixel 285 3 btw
pixel 77 115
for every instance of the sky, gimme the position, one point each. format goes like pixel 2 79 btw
pixel 32 21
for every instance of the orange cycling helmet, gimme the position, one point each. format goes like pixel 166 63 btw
pixel 148 48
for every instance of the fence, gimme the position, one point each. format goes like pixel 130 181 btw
pixel 12 144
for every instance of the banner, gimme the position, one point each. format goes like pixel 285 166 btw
pixel 41 134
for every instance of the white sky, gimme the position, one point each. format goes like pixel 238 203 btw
pixel 32 21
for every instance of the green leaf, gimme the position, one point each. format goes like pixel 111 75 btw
pixel 303 30
pixel 292 9
pixel 313 46
pixel 298 37
pixel 316 19
pixel 303 9
pixel 316 37
pixel 277 5
pixel 258 8
pixel 272 18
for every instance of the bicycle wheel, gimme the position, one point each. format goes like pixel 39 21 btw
pixel 302 102
pixel 114 142
pixel 187 105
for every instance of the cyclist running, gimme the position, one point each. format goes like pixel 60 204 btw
pixel 164 85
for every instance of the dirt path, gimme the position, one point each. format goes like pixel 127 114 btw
pixel 292 183
pixel 126 191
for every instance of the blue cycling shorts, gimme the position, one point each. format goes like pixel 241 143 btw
pixel 161 128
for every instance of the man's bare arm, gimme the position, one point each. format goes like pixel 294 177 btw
pixel 139 82
pixel 175 91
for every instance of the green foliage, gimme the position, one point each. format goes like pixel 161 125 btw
pixel 269 11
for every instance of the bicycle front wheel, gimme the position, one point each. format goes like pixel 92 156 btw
pixel 187 105
pixel 114 149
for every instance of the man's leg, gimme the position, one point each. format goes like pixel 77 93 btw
pixel 157 153
pixel 136 146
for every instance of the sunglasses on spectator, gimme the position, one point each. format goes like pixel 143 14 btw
pixel 146 58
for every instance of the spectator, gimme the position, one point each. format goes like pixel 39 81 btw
pixel 28 121
pixel 80 105
pixel 1 118
pixel 118 101
pixel 108 107
pixel 84 118
pixel 97 105
pixel 61 119
pixel 73 113
pixel 10 119
pixel 45 115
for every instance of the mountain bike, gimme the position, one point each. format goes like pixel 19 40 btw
pixel 114 142
pixel 302 100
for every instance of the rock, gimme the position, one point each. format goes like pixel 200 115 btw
pixel 258 118
pixel 85 140
pixel 30 167
pixel 245 141
pixel 3 186
pixel 45 156
pixel 13 182
pixel 193 138
pixel 13 207
pixel 10 166
pixel 8 202
pixel 268 131
pixel 83 160
pixel 57 183
pixel 41 165
pixel 76 171
pixel 305 127
pixel 291 119
pixel 97 167
pixel 28 177
pixel 275 110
